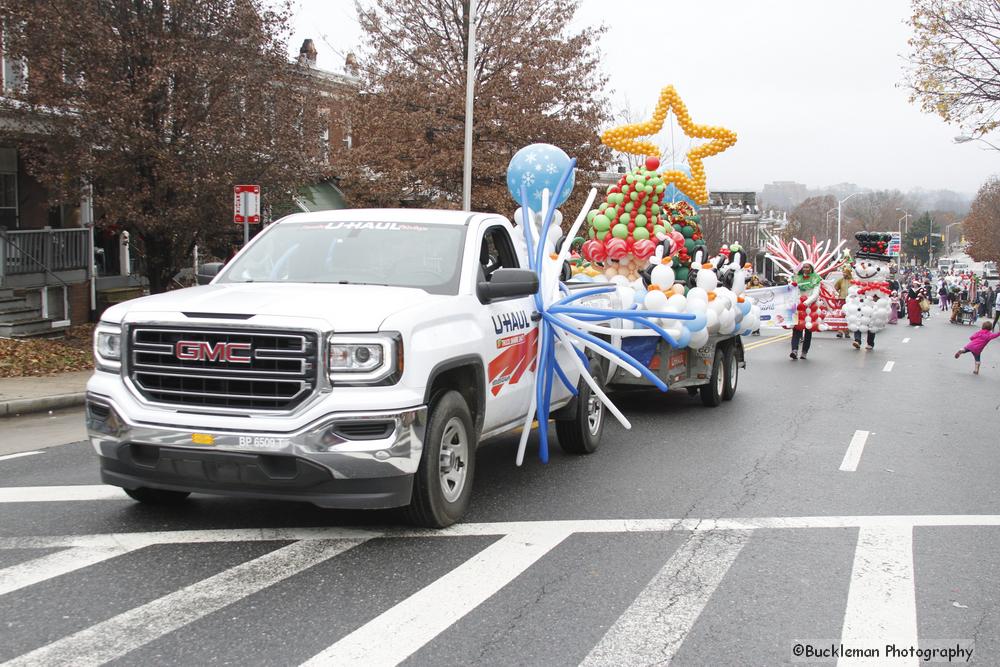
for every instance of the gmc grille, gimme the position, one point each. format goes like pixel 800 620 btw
pixel 280 375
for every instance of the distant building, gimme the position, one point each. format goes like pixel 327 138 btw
pixel 784 195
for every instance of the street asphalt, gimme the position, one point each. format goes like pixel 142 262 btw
pixel 850 498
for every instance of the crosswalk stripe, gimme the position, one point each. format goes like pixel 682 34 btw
pixel 654 626
pixel 38 494
pixel 129 630
pixel 881 602
pixel 53 565
pixel 396 634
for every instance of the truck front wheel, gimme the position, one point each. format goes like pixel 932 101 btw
pixel 581 434
pixel 732 373
pixel 443 483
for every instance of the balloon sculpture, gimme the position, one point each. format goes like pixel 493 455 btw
pixel 651 299
pixel 868 298
pixel 791 257
pixel 624 138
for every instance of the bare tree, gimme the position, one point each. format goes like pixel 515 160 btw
pixel 955 61
pixel 873 211
pixel 161 105
pixel 537 80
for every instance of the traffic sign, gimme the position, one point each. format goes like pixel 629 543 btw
pixel 246 204
pixel 894 245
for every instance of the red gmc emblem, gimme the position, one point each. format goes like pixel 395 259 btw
pixel 200 350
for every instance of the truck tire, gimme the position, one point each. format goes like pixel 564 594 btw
pixel 711 393
pixel 443 483
pixel 149 496
pixel 582 433
pixel 731 373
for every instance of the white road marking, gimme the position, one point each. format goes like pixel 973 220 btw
pixel 854 450
pixel 53 565
pixel 396 634
pixel 129 630
pixel 888 366
pixel 906 340
pixel 881 603
pixel 40 494
pixel 654 626
pixel 137 540
pixel 7 457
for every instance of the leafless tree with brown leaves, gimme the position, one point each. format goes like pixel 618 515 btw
pixel 981 227
pixel 536 80
pixel 163 106
pixel 955 61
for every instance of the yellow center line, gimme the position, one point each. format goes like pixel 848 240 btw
pixel 767 341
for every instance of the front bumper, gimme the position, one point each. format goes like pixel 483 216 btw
pixel 362 460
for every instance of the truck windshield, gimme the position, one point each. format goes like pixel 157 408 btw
pixel 396 254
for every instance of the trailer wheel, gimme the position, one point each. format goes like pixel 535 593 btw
pixel 711 393
pixel 581 434
pixel 443 483
pixel 731 368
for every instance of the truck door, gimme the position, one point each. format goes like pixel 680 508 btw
pixel 511 337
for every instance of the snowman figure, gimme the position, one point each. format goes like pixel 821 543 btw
pixel 869 297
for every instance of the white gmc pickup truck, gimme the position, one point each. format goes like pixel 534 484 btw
pixel 351 359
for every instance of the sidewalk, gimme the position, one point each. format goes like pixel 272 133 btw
pixel 20 396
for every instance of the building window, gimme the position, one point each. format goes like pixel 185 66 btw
pixel 15 74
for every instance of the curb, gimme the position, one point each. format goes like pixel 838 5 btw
pixel 23 406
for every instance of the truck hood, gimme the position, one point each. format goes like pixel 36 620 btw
pixel 335 307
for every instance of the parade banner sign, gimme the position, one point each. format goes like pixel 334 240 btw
pixel 777 304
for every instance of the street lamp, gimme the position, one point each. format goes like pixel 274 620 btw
pixel 906 217
pixel 470 84
pixel 839 204
pixel 947 236
pixel 828 221
pixel 964 138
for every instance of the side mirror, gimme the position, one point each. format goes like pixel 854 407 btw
pixel 206 272
pixel 507 284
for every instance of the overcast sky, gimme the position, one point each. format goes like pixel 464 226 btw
pixel 809 86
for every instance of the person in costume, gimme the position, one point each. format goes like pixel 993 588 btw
pixel 868 299
pixel 913 313
pixel 808 283
pixel 804 265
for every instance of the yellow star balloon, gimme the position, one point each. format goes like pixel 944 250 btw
pixel 624 139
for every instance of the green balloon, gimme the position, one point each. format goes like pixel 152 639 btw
pixel 648 189
pixel 678 227
pixel 629 178
pixel 680 272
pixel 634 196
pixel 687 231
pixel 624 218
pixel 629 206
pixel 592 232
pixel 603 205
pixel 659 229
pixel 655 209
pixel 640 233
pixel 619 231
pixel 602 223
pixel 689 244
pixel 640 220
pixel 659 189
pixel 608 191
pixel 591 216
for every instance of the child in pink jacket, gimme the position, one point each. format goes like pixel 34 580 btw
pixel 977 342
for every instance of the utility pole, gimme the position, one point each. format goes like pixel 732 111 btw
pixel 470 95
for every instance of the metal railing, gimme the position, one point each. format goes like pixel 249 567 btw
pixel 43 251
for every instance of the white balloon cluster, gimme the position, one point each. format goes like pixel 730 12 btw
pixel 868 304
pixel 717 309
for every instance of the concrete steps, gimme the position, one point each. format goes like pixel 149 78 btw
pixel 21 317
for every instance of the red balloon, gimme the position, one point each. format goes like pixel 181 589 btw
pixel 617 248
pixel 643 248
pixel 588 249
pixel 652 163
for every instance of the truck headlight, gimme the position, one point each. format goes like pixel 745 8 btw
pixel 365 358
pixel 108 346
